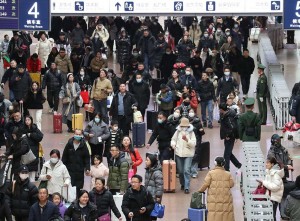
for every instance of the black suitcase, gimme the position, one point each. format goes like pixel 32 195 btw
pixel 139 134
pixel 204 157
pixel 151 119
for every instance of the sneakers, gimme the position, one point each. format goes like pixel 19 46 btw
pixel 186 191
pixel 194 176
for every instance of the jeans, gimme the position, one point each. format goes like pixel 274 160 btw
pixel 148 63
pixel 245 83
pixel 53 99
pixel 194 169
pixel 210 106
pixel 36 115
pixel 11 95
pixel 228 156
pixel 101 107
pixel 184 170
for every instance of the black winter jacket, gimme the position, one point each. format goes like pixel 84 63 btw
pixel 83 82
pixel 2 131
pixel 281 154
pixel 246 66
pixel 5 212
pixel 8 74
pixel 160 48
pixel 225 87
pixel 22 86
pixel 146 45
pixel 218 67
pixel 295 107
pixel 184 50
pixel 206 90
pixel 34 137
pixel 76 161
pixel 53 80
pixel 124 49
pixel 50 212
pixel 51 58
pixel 166 65
pixel 129 101
pixel 175 86
pixel 35 101
pixel 141 93
pixel 229 125
pixel 104 201
pixel 76 213
pixel 134 200
pixel 163 134
pixel 9 127
pixel 22 198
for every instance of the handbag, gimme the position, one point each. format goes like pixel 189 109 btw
pixel 66 100
pixel 105 217
pixel 130 174
pixel 28 157
pixel 137 117
pixel 260 190
pixel 158 210
pixel 43 184
pixel 79 101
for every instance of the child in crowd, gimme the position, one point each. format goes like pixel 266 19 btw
pixel 58 201
pixel 98 170
pixel 116 135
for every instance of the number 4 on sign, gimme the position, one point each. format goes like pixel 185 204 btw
pixel 34 10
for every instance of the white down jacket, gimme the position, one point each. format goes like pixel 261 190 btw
pixel 273 182
pixel 183 148
pixel 59 176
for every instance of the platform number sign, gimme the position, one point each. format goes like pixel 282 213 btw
pixel 34 15
pixel 291 15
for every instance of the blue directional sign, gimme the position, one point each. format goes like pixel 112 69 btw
pixel 79 6
pixel 291 14
pixel 210 6
pixel 25 15
pixel 118 5
pixel 178 6
pixel 129 6
pixel 275 5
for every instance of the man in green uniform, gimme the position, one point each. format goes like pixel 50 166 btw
pixel 261 93
pixel 249 123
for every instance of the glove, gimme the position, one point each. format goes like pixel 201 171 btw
pixel 261 99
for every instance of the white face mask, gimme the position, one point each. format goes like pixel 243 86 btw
pixel 187 72
pixel 96 36
pixel 176 115
pixel 139 80
pixel 184 128
pixel 191 114
pixel 54 160
pixel 81 73
pixel 24 176
pixel 206 35
pixel 227 33
pixel 227 73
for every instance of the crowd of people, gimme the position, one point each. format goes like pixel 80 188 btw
pixel 201 65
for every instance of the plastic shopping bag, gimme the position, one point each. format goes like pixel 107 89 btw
pixel 69 194
pixel 130 175
pixel 216 113
pixel 137 117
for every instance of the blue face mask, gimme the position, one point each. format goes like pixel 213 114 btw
pixel 97 120
pixel 77 137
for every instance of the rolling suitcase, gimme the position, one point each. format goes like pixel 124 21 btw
pixel 204 156
pixel 36 77
pixel 169 175
pixel 151 119
pixel 139 134
pixel 57 123
pixel 77 121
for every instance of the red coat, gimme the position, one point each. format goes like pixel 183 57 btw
pixel 136 160
pixel 33 66
pixel 193 103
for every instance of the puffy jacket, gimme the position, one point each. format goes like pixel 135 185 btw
pixel 77 35
pixel 146 45
pixel 154 181
pixel 129 101
pixel 124 49
pixel 22 197
pixel 160 48
pixel 97 92
pixel 75 212
pixel 33 66
pixel 206 90
pixel 5 213
pixel 225 87
pixel 141 93
pixel 246 66
pixel 59 176
pixel 43 49
pixel 118 173
pixel 98 171
pixel 34 137
pixel 97 64
pixel 163 134
pixel 219 198
pixel 64 64
pixel 99 130
pixel 76 160
pixel 104 201
pixel 292 205
pixel 183 148
pixel 189 80
pixel 53 80
pixel 22 86
pixel 133 200
pixel 35 100
pixel 103 34
pixel 228 125
pixel 50 211
pixel 185 49
pixel 273 182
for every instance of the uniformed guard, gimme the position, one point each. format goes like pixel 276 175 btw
pixel 249 123
pixel 261 93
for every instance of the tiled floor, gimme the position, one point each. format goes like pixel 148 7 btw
pixel 178 203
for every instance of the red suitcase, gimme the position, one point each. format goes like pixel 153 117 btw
pixel 57 123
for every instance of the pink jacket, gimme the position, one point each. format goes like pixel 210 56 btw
pixel 98 171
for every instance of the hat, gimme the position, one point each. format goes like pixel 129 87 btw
pixel 249 101
pixel 261 66
pixel 209 70
pixel 184 122
pixel 23 168
pixel 275 137
pixel 69 74
pixel 21 65
pixel 227 29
